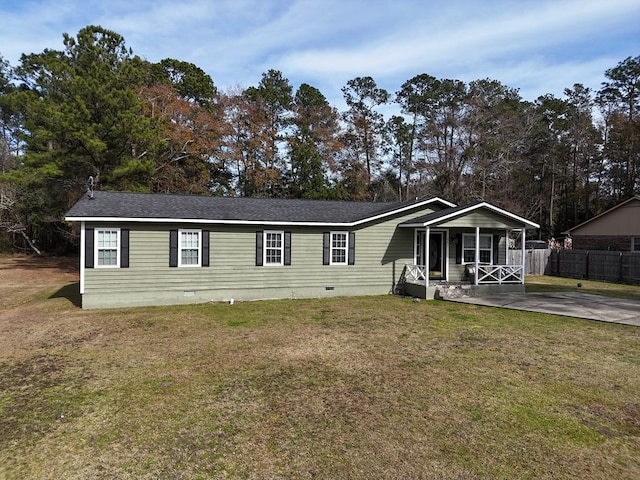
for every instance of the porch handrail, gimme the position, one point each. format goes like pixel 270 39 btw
pixel 500 274
pixel 415 272
pixel 487 274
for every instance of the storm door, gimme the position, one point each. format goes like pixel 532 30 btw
pixel 435 261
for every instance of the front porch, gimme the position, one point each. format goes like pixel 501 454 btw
pixel 490 279
pixel 465 251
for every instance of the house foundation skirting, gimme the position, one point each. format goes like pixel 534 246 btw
pixel 447 290
pixel 183 297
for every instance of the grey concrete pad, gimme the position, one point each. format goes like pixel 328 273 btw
pixel 569 304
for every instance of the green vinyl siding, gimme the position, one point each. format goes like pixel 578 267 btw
pixel 483 219
pixel 381 252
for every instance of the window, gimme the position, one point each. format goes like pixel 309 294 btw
pixel 273 248
pixel 339 248
pixel 636 244
pixel 339 243
pixel 469 249
pixel 107 248
pixel 189 248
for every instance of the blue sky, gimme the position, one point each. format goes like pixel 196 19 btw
pixel 539 47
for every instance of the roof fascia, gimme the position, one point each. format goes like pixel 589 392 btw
pixel 404 209
pixel 200 221
pixel 470 209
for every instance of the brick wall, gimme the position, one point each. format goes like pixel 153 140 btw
pixel 602 242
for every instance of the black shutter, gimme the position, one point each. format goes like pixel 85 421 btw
pixel 124 248
pixel 326 247
pixel 458 248
pixel 287 248
pixel 259 259
pixel 173 248
pixel 352 248
pixel 496 249
pixel 88 248
pixel 205 248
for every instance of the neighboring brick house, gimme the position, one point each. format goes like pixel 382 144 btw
pixel 616 229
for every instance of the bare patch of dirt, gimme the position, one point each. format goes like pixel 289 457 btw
pixel 37 393
pixel 25 283
pixel 23 276
pixel 21 267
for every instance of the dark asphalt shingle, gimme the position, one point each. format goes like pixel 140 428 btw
pixel 191 207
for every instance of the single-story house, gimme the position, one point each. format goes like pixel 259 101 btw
pixel 161 249
pixel 615 229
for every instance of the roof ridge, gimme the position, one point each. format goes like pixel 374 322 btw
pixel 241 198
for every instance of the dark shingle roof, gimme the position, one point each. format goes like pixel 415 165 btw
pixel 139 206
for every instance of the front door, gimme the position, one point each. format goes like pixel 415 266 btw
pixel 435 260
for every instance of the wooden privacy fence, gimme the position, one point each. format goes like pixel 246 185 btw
pixel 620 267
pixel 535 261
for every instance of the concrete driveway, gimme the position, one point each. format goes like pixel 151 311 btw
pixel 569 304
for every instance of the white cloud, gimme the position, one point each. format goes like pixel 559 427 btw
pixel 538 46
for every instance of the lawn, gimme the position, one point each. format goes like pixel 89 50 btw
pixel 353 388
pixel 542 283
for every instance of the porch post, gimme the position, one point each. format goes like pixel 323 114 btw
pixel 477 255
pixel 522 259
pixel 427 230
pixel 506 243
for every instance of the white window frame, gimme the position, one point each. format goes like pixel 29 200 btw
pixel 472 236
pixel 97 249
pixel 266 247
pixel 182 247
pixel 333 247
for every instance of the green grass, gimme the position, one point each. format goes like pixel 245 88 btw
pixel 371 387
pixel 545 283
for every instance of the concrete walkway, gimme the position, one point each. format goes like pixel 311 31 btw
pixel 569 304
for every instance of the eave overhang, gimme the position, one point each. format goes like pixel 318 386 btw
pixel 446 215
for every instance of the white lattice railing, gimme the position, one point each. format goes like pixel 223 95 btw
pixel 500 274
pixel 487 274
pixel 415 272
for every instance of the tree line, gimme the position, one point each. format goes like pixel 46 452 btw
pixel 94 109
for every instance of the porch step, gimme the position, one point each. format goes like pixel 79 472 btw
pixel 448 291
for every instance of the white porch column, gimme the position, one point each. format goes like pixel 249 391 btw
pixel 523 234
pixel 477 254
pixel 506 242
pixel 427 231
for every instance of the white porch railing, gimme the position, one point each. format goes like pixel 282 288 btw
pixel 487 274
pixel 491 274
pixel 415 272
